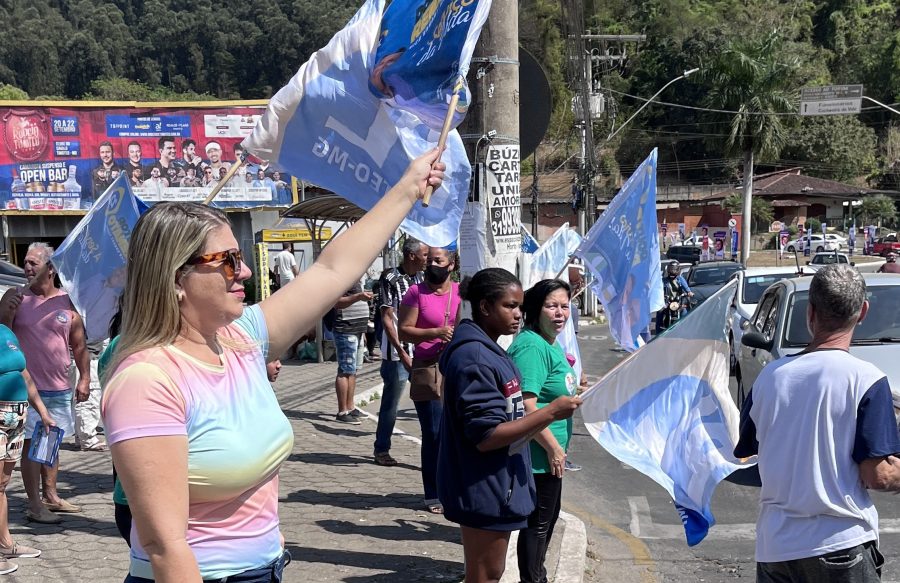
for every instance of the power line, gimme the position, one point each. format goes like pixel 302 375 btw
pixel 711 110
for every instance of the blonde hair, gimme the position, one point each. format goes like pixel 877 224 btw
pixel 164 239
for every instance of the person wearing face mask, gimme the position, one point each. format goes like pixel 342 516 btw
pixel 546 375
pixel 428 315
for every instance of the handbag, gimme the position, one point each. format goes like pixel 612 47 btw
pixel 425 378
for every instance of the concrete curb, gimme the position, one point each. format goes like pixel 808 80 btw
pixel 572 555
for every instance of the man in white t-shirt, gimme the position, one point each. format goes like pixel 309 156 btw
pixel 822 422
pixel 285 265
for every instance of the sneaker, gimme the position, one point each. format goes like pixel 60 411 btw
pixel 347 418
pixel 6 567
pixel 356 413
pixel 572 467
pixel 17 551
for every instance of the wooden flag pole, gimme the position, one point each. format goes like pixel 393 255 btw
pixel 222 182
pixel 442 141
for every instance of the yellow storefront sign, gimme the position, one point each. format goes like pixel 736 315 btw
pixel 299 235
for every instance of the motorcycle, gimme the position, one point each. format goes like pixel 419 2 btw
pixel 675 306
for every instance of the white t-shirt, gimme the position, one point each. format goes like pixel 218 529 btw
pixel 284 264
pixel 813 418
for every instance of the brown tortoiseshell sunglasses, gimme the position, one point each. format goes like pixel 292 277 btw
pixel 231 260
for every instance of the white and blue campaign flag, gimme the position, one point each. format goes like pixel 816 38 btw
pixel 423 54
pixel 529 243
pixel 331 126
pixel 622 252
pixel 549 260
pixel 92 260
pixel 667 412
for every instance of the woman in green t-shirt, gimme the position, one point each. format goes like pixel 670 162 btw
pixel 546 375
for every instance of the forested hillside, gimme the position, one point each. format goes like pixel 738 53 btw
pixel 199 49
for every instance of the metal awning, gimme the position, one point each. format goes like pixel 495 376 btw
pixel 329 207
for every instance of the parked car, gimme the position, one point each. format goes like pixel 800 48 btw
pixel 707 278
pixel 816 243
pixel 684 253
pixel 10 276
pixel 885 245
pixel 751 283
pixel 697 241
pixel 820 260
pixel 840 240
pixel 778 328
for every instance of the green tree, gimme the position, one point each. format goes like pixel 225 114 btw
pixel 840 147
pixel 752 77
pixel 878 208
pixel 761 212
pixel 11 93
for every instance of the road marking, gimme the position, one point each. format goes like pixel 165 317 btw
pixel 639 551
pixel 642 526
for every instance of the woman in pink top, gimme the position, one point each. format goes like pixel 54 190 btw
pixel 196 433
pixel 428 314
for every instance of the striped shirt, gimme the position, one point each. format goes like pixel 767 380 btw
pixel 393 285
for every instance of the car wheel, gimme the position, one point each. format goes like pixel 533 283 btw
pixel 790 249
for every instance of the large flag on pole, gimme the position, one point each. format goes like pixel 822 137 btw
pixel 549 259
pixel 362 107
pixel 667 412
pixel 91 261
pixel 622 252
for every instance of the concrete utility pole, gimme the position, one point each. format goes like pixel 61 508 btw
pixel 490 235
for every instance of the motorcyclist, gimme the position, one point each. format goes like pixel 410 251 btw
pixel 674 285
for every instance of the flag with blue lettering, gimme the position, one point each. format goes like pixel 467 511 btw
pixel 91 261
pixel 622 252
pixel 667 412
pixel 529 243
pixel 363 106
pixel 546 262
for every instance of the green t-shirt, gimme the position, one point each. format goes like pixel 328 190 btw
pixel 105 358
pixel 545 373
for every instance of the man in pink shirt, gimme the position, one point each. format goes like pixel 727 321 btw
pixel 48 327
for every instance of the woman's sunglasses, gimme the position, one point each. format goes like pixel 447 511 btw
pixel 232 260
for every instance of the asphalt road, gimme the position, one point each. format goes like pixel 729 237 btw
pixel 634 531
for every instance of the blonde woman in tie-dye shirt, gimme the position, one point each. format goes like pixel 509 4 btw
pixel 195 430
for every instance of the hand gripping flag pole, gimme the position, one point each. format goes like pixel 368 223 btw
pixel 442 140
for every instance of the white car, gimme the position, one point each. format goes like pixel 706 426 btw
pixel 820 260
pixel 840 240
pixel 697 241
pixel 778 328
pixel 751 283
pixel 816 243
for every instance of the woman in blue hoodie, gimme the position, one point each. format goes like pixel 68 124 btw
pixel 484 465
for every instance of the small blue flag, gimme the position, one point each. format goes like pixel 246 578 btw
pixel 92 260
pixel 622 252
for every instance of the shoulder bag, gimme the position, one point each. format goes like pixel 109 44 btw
pixel 425 379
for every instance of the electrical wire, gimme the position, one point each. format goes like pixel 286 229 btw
pixel 712 110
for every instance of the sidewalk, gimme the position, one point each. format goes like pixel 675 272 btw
pixel 343 517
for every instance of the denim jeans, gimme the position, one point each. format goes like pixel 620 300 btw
pixel 859 564
pixel 271 573
pixel 535 538
pixel 430 421
pixel 394 376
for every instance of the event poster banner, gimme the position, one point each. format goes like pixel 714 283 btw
pixel 502 165
pixel 63 158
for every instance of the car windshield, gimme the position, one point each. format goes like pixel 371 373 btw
pixel 712 275
pixel 882 320
pixel 829 259
pixel 754 286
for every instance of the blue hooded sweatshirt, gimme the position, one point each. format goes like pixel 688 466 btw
pixel 491 490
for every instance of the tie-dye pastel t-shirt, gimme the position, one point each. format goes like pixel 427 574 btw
pixel 237 439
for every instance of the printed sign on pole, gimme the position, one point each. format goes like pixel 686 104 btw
pixel 503 198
